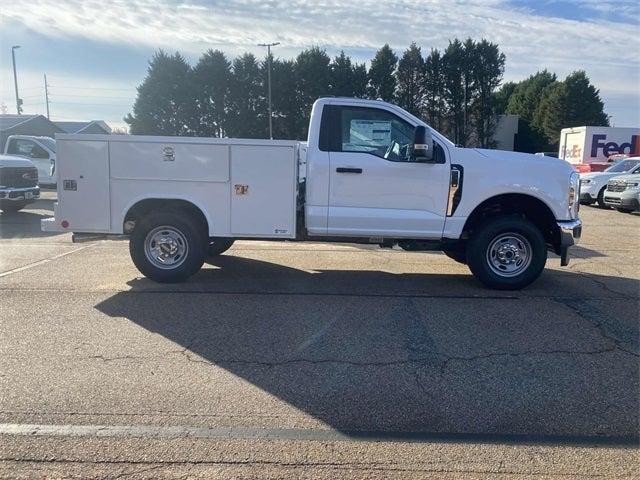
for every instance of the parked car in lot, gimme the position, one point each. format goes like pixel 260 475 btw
pixel 40 150
pixel 622 193
pixel 593 185
pixel 370 172
pixel 18 183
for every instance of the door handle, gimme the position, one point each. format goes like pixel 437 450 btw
pixel 348 170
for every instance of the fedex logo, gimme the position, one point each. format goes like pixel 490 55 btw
pixel 598 141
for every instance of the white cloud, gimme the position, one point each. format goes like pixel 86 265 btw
pixel 609 51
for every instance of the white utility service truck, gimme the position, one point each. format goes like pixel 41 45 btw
pixel 369 173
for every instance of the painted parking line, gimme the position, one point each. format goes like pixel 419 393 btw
pixel 45 261
pixel 248 433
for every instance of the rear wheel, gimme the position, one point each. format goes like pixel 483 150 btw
pixel 12 207
pixel 507 253
pixel 217 247
pixel 168 247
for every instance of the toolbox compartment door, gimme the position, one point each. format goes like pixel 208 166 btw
pixel 83 185
pixel 263 191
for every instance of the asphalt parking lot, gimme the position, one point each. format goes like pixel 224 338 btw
pixel 289 360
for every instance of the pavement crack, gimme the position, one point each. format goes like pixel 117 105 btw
pixel 527 353
pixel 595 317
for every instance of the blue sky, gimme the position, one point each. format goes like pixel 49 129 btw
pixel 95 53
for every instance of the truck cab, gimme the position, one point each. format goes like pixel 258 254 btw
pixel 369 172
pixel 40 150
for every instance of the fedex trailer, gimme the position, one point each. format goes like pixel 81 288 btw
pixel 589 148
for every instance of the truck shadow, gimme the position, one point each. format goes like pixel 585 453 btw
pixel 414 357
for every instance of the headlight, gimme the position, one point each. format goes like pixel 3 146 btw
pixel 585 181
pixel 632 184
pixel 574 194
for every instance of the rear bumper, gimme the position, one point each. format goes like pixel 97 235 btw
pixel 26 194
pixel 570 233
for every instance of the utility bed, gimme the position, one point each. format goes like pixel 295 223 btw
pixel 246 188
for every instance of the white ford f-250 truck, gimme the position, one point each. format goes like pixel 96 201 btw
pixel 369 173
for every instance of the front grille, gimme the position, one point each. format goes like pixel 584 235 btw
pixel 616 186
pixel 19 177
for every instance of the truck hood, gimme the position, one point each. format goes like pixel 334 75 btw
pixel 598 175
pixel 11 161
pixel 503 155
pixel 635 177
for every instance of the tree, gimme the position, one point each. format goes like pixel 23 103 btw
pixel 502 96
pixel 211 80
pixel 285 100
pixel 454 68
pixel 165 102
pixel 486 74
pixel 410 80
pixel 434 102
pixel 313 77
pixel 528 93
pixel 571 103
pixel 247 110
pixel 524 101
pixel 341 76
pixel 470 59
pixel 360 80
pixel 382 83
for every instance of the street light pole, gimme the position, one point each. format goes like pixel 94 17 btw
pixel 269 45
pixel 15 79
pixel 46 93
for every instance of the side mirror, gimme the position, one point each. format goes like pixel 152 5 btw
pixel 422 144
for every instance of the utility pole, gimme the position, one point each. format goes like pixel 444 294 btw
pixel 269 45
pixel 46 94
pixel 15 79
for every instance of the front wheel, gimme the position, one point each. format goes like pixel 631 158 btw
pixel 459 255
pixel 507 253
pixel 601 198
pixel 168 247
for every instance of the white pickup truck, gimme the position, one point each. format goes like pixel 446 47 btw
pixel 369 173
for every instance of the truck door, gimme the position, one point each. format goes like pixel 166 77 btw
pixel 376 188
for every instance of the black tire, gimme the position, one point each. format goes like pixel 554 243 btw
pixel 459 255
pixel 194 239
pixel 600 199
pixel 12 207
pixel 500 228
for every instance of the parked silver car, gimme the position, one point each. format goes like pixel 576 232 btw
pixel 593 185
pixel 622 193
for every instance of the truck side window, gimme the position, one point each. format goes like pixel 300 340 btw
pixel 375 131
pixel 38 152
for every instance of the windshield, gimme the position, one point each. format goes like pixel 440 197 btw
pixel 50 143
pixel 623 166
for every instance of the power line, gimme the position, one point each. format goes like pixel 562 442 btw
pixel 71 87
pixel 88 96
pixel 90 104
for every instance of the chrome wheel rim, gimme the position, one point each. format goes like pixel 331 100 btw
pixel 166 247
pixel 509 254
